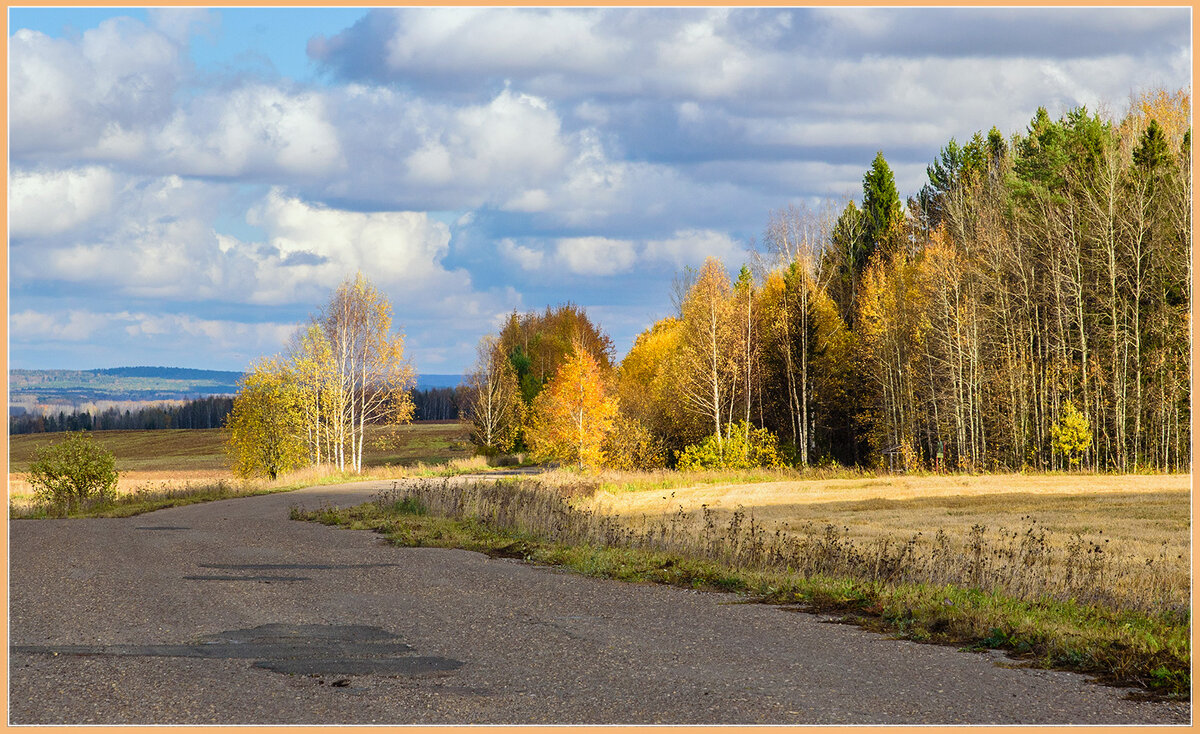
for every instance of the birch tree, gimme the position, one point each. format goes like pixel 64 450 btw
pixel 709 347
pixel 371 377
pixel 492 406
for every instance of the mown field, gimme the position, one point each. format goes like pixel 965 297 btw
pixel 1138 513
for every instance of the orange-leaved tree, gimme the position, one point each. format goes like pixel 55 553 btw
pixel 573 414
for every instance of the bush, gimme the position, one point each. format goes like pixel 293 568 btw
pixel 742 447
pixel 68 473
pixel 1071 436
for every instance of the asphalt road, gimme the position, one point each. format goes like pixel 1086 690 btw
pixel 229 612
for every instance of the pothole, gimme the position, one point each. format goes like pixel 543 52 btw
pixel 297 649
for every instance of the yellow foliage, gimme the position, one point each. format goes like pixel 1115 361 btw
pixel 630 446
pixel 1071 435
pixel 648 380
pixel 266 425
pixel 573 415
pixel 1172 111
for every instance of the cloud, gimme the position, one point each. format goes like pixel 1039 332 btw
pixel 690 247
pixel 156 238
pixel 310 249
pixel 67 95
pixel 672 85
pixel 124 234
pixel 693 53
pixel 73 325
pixel 180 24
pixel 999 32
pixel 595 255
pixel 525 257
pixel 252 131
pixel 604 256
pixel 406 150
pixel 217 334
pixel 51 202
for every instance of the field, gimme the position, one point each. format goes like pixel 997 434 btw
pixel 1140 522
pixel 1138 512
pixel 171 450
pixel 174 459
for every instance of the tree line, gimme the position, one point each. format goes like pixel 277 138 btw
pixel 1027 309
pixel 208 412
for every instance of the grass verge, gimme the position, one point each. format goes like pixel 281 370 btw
pixel 1127 647
pixel 137 503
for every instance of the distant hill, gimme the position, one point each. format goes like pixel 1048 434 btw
pixel 139 384
pixel 172 373
pixel 425 382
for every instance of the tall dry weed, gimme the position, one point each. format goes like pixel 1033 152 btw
pixel 1026 563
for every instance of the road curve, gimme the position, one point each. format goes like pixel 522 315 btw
pixel 230 613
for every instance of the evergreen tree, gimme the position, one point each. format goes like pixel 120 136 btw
pixel 881 210
pixel 1151 151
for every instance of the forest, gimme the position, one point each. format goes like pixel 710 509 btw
pixel 206 412
pixel 1027 309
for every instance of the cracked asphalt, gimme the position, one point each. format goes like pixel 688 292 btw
pixel 109 619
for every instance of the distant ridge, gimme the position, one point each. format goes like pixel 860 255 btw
pixel 141 384
pixel 425 382
pixel 170 373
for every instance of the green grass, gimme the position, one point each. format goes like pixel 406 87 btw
pixel 428 442
pixel 1148 650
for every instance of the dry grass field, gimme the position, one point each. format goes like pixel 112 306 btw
pixel 1140 523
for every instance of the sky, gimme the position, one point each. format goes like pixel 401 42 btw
pixel 187 186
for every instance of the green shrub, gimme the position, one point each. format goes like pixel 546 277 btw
pixel 68 473
pixel 742 447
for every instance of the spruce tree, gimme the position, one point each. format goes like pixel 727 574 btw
pixel 1151 151
pixel 881 209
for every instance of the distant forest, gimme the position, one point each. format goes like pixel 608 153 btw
pixel 432 404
